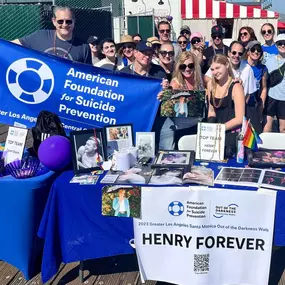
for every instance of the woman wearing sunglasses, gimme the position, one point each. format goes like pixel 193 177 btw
pixel 166 59
pixel 245 35
pixel 268 31
pixel 275 103
pixel 225 99
pixel 126 49
pixel 255 101
pixel 183 42
pixel 197 46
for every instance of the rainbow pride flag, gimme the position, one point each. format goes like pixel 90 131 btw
pixel 251 138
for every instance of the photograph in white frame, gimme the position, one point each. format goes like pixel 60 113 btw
pixel 145 143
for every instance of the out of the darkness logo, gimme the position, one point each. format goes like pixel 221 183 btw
pixel 229 210
pixel 30 80
pixel 176 208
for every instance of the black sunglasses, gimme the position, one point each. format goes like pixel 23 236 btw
pixel 182 42
pixel 281 43
pixel 128 46
pixel 164 31
pixel 183 66
pixel 164 53
pixel 67 22
pixel 214 36
pixel 184 32
pixel 253 49
pixel 195 41
pixel 243 34
pixel 235 52
pixel 264 32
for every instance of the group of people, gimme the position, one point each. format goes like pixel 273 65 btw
pixel 235 79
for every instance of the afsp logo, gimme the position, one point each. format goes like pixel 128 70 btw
pixel 30 80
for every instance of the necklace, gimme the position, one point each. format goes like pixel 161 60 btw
pixel 224 95
pixel 65 55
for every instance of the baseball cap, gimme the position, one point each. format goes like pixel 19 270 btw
pixel 217 30
pixel 280 37
pixel 144 46
pixel 93 40
pixel 252 44
pixel 185 28
pixel 196 35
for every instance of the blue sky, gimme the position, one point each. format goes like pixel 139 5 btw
pixel 276 5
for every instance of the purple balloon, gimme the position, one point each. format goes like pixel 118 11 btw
pixel 55 152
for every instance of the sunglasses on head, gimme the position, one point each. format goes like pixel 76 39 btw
pixel 195 41
pixel 128 46
pixel 243 34
pixel 67 22
pixel 185 32
pixel 183 66
pixel 281 43
pixel 253 49
pixel 164 53
pixel 214 36
pixel 182 42
pixel 264 32
pixel 235 52
pixel 164 31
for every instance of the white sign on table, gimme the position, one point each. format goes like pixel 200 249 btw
pixel 15 143
pixel 205 236
pixel 210 142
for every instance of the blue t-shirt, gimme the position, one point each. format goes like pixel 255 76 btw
pixel 258 72
pixel 271 50
pixel 276 92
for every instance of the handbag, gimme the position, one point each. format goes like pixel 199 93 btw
pixel 276 76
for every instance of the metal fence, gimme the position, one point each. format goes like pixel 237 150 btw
pixel 17 20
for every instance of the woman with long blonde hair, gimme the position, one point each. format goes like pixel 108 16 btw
pixel 226 102
pixel 186 76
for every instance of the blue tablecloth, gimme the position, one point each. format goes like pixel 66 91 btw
pixel 22 202
pixel 75 230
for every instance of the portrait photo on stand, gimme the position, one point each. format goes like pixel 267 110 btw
pixel 145 143
pixel 118 137
pixel 183 104
pixel 174 159
pixel 87 150
pixel 121 201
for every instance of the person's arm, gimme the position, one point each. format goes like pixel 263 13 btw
pixel 186 109
pixel 239 100
pixel 176 107
pixel 264 88
pixel 16 41
pixel 116 204
pixel 211 110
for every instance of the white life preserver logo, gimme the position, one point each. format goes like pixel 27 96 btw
pixel 30 80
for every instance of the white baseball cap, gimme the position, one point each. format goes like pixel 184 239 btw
pixel 280 37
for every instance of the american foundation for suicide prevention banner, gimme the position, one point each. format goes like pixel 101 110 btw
pixel 205 237
pixel 83 96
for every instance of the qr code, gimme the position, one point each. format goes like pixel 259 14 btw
pixel 201 263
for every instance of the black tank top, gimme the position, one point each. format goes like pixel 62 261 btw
pixel 226 111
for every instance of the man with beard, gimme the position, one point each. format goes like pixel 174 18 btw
pixel 217 47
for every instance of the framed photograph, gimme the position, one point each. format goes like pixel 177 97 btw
pixel 87 150
pixel 145 143
pixel 167 176
pixel 121 201
pixel 266 158
pixel 273 179
pixel 183 104
pixel 174 159
pixel 118 137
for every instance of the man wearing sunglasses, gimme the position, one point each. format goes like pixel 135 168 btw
pixel 164 31
pixel 275 104
pixel 218 47
pixel 61 41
